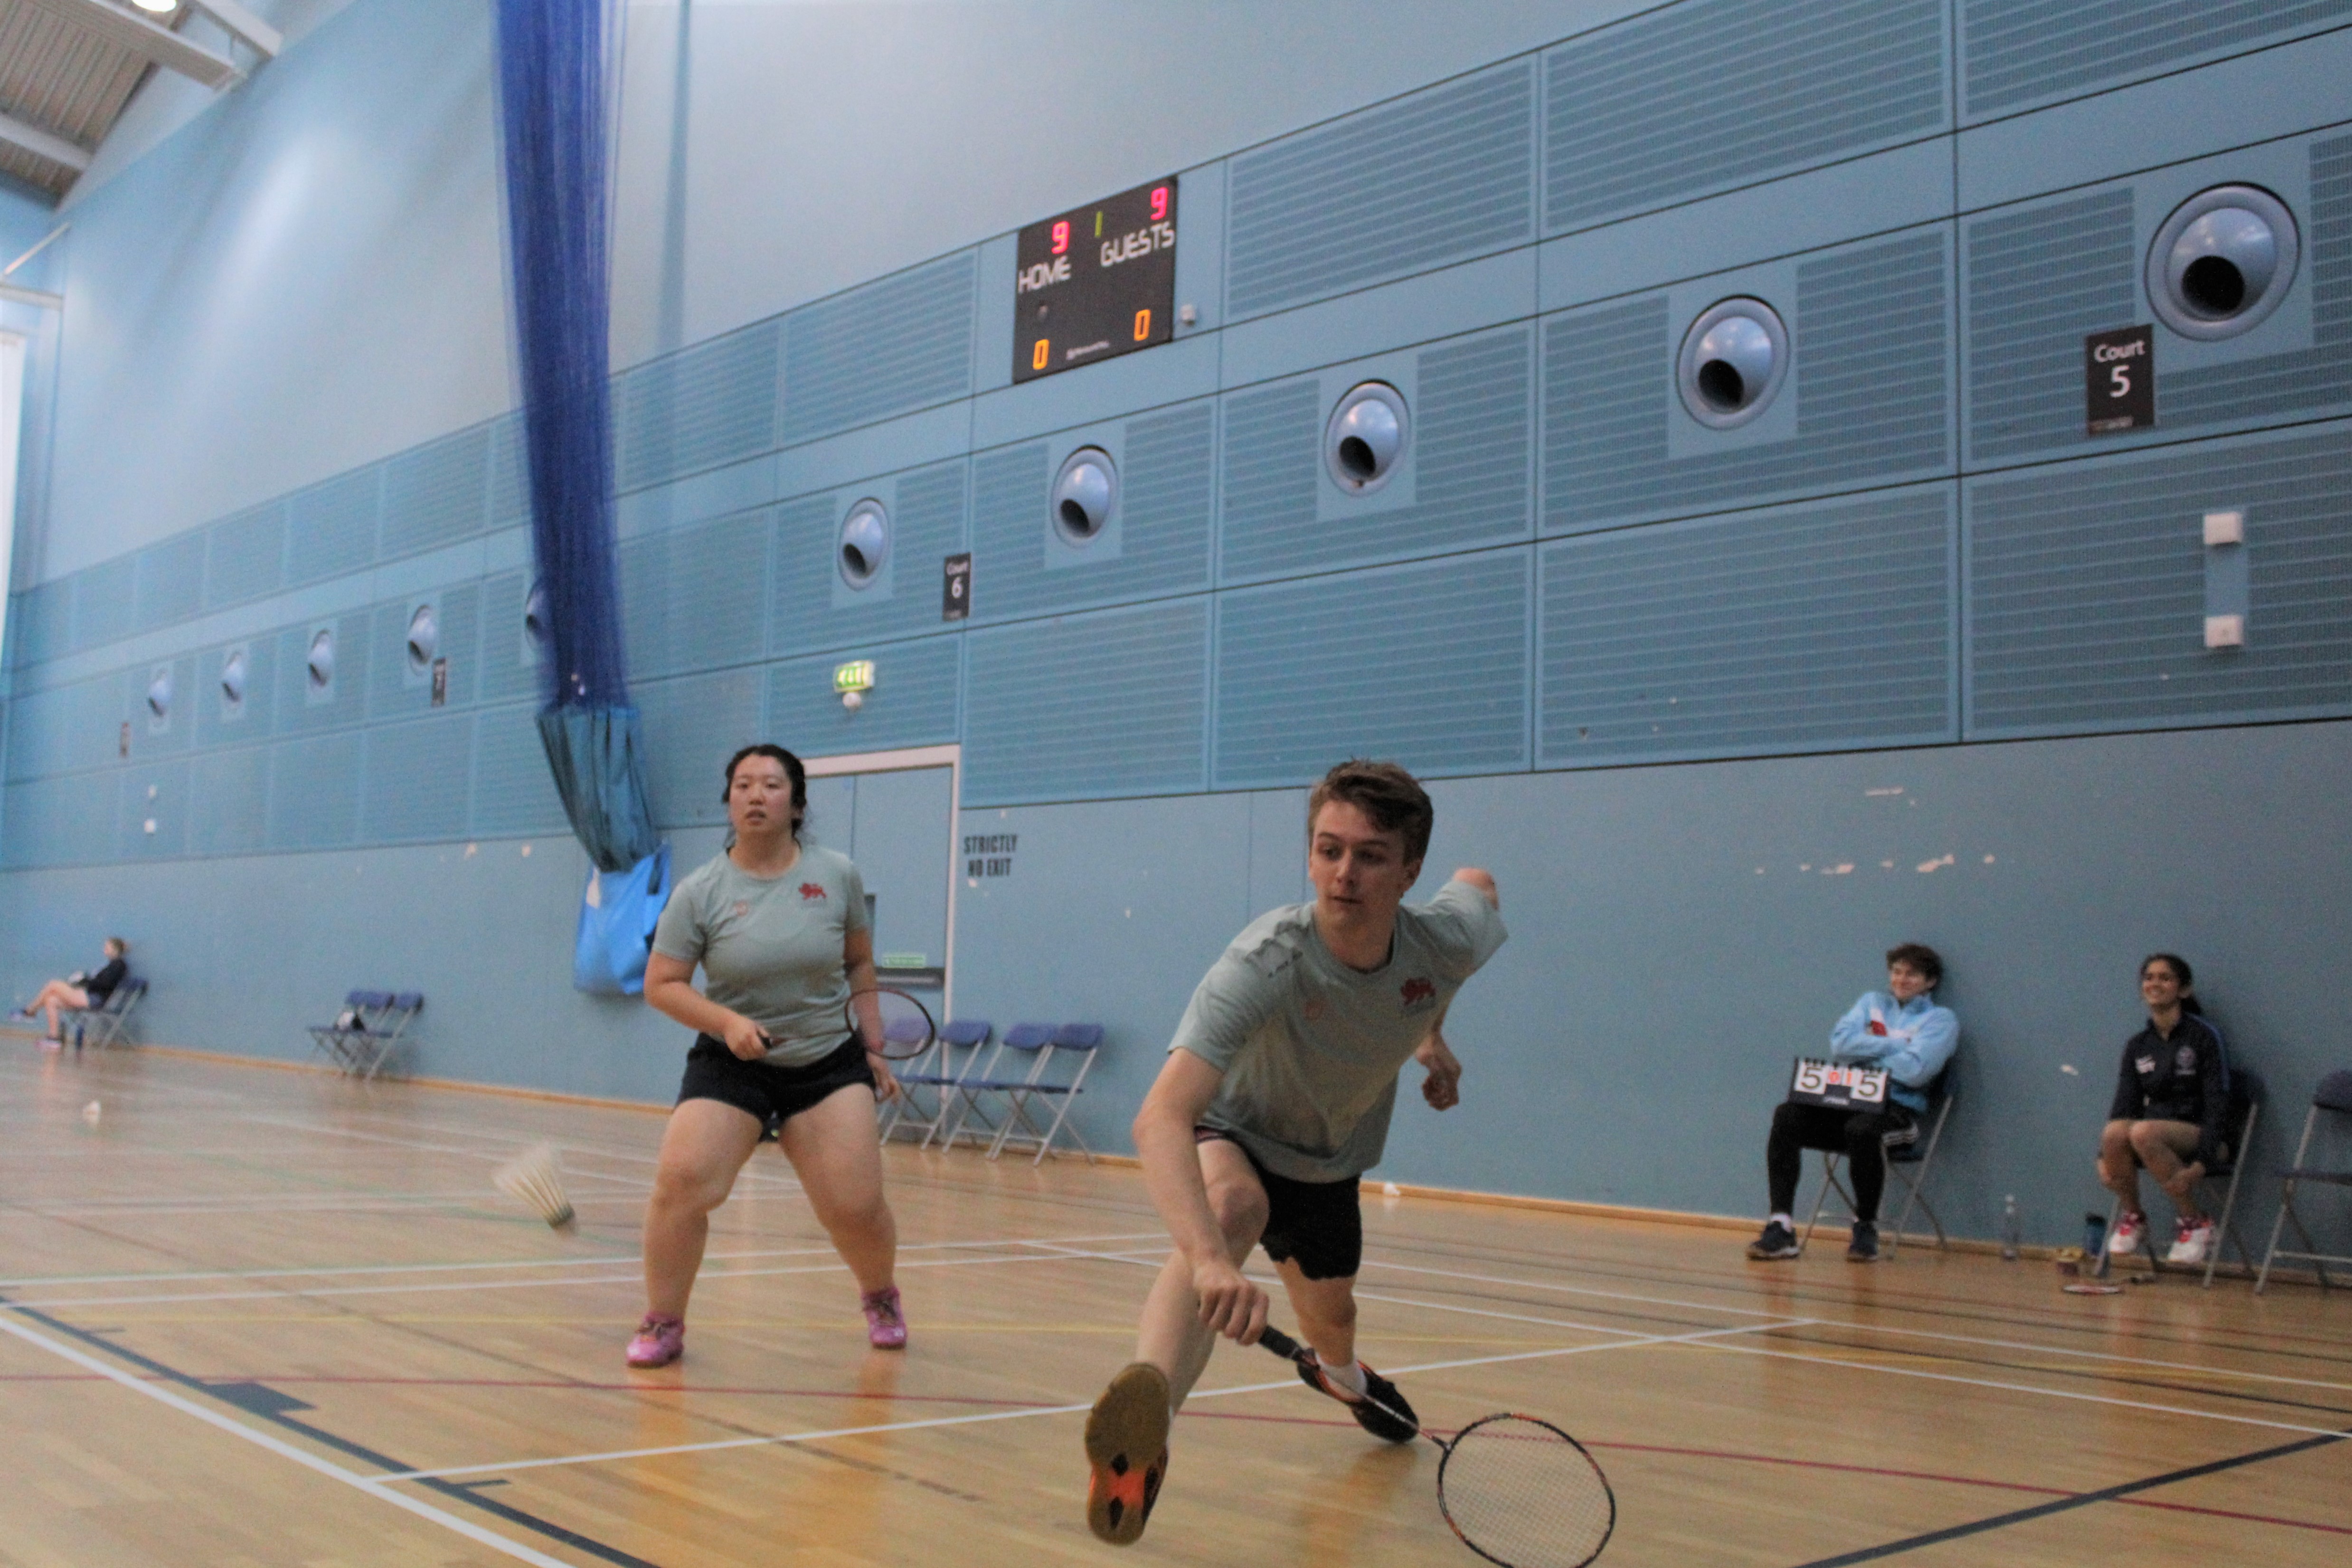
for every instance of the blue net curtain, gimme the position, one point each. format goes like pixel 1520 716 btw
pixel 554 102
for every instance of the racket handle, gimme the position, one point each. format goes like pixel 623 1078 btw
pixel 1281 1344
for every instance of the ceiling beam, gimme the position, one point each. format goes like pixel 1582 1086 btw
pixel 139 36
pixel 32 297
pixel 255 34
pixel 42 143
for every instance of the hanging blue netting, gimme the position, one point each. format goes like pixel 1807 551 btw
pixel 552 99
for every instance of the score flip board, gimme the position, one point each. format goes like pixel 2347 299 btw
pixel 1842 1086
pixel 1097 282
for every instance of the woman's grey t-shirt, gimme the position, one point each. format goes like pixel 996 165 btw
pixel 770 947
pixel 1310 1048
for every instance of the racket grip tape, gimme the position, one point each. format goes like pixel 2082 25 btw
pixel 1282 1345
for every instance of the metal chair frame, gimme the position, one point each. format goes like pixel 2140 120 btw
pixel 2333 1096
pixel 1086 1040
pixel 954 1056
pixel 109 1022
pixel 2246 1090
pixel 381 1018
pixel 1911 1171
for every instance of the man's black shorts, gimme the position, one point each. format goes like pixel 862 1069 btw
pixel 774 1095
pixel 1315 1224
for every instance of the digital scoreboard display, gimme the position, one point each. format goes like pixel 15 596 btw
pixel 1096 283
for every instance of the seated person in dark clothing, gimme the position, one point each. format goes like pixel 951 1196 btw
pixel 77 991
pixel 2170 1114
pixel 1901 1029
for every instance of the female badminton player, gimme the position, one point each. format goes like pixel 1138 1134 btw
pixel 79 991
pixel 779 929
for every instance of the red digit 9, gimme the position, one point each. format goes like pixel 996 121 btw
pixel 1061 237
pixel 1158 204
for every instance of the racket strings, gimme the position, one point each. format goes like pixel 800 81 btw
pixel 1522 1493
pixel 906 1027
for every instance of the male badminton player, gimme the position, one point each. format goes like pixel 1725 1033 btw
pixel 780 930
pixel 1275 1099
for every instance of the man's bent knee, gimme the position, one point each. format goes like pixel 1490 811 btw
pixel 1241 1211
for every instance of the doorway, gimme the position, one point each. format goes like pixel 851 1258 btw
pixel 894 812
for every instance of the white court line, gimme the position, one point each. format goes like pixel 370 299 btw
pixel 2030 1388
pixel 37 1280
pixel 373 1486
pixel 1850 1326
pixel 1278 1385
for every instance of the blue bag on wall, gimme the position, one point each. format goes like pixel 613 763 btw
pixel 618 911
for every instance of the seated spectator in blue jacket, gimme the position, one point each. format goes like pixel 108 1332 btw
pixel 78 992
pixel 2170 1112
pixel 1900 1028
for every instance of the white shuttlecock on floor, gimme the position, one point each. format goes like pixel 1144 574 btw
pixel 536 1178
pixel 90 1113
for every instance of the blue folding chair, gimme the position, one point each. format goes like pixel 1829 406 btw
pixel 1045 1046
pixel 109 1022
pixel 938 1073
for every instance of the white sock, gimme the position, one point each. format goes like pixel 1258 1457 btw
pixel 1349 1379
pixel 1780 1219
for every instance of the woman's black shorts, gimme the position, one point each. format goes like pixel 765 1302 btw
pixel 775 1094
pixel 1318 1224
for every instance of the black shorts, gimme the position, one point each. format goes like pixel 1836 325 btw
pixel 1315 1224
pixel 775 1094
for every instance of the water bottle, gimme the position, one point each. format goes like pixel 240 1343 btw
pixel 2094 1235
pixel 2008 1237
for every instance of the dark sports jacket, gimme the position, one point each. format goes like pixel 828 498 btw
pixel 2183 1078
pixel 102 985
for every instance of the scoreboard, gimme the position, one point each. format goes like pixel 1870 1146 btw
pixel 1096 283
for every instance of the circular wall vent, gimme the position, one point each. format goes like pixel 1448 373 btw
pixel 864 543
pixel 1733 361
pixel 534 618
pixel 322 659
pixel 2222 262
pixel 232 678
pixel 1085 494
pixel 424 639
pixel 159 694
pixel 1366 437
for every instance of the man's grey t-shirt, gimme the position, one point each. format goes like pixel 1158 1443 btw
pixel 1310 1049
pixel 770 947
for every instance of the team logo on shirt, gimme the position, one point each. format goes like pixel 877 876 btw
pixel 743 908
pixel 2185 1060
pixel 1417 991
pixel 1314 1009
pixel 810 893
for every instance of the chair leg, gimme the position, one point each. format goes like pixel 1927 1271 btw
pixel 2287 1204
pixel 1829 1178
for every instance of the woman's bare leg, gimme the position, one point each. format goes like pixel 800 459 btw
pixel 702 1150
pixel 833 1147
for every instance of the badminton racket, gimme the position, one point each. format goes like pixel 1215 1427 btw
pixel 536 1179
pixel 1516 1490
pixel 907 1030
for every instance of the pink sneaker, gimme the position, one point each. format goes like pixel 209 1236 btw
pixel 659 1341
pixel 885 1325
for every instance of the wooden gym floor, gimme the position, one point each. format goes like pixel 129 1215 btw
pixel 255 1316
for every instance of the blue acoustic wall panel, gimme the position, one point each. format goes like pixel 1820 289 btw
pixel 692 726
pixel 171 586
pixel 41 623
pixel 1156 546
pixel 221 723
pixel 436 494
pixel 331 528
pixel 514 794
pixel 2087 589
pixel 314 791
pixel 1697 97
pixel 1426 664
pixel 301 705
pixel 105 598
pixel 417 779
pixel 890 347
pixel 66 730
pixel 710 405
pixel 151 817
pixel 174 730
pixel 508 664
pixel 694 599
pixel 1107 703
pixel 1436 177
pixel 916 689
pixel 1867 400
pixel 509 472
pixel 245 555
pixel 2041 275
pixel 1810 628
pixel 1464 480
pixel 59 821
pixel 2015 54
pixel 228 801
pixel 460 610
pixel 815 607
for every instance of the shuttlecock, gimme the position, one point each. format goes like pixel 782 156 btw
pixel 90 1113
pixel 1390 1190
pixel 534 1178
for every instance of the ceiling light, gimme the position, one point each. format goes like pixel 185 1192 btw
pixel 159 8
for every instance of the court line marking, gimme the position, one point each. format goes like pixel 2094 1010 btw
pixel 1872 1328
pixel 371 1485
pixel 36 1281
pixel 780 1438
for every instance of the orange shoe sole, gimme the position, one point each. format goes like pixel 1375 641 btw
pixel 1126 1453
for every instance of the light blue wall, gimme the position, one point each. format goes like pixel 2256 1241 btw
pixel 1668 679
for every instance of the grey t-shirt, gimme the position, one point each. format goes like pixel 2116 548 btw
pixel 770 947
pixel 1310 1049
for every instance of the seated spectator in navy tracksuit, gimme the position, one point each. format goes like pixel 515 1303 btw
pixel 2170 1112
pixel 79 991
pixel 1901 1029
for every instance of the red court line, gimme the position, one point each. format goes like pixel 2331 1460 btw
pixel 2227 1514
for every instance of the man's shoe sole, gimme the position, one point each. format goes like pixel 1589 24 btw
pixel 1758 1254
pixel 1126 1453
